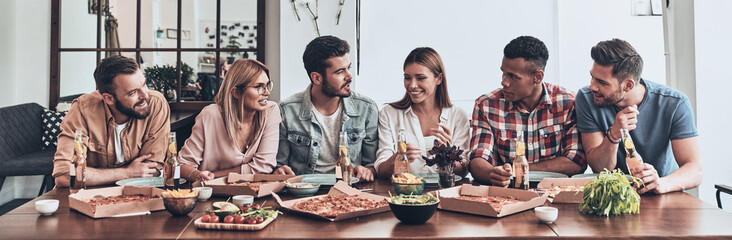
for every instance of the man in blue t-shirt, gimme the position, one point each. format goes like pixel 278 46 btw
pixel 660 121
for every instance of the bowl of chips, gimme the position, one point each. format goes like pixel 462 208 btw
pixel 407 184
pixel 180 202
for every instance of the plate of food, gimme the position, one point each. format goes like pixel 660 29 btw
pixel 323 179
pixel 144 181
pixel 228 216
pixel 431 179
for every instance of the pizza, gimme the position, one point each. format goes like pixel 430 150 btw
pixel 97 201
pixel 495 201
pixel 553 191
pixel 330 206
pixel 253 185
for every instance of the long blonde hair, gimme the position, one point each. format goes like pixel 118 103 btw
pixel 428 57
pixel 241 73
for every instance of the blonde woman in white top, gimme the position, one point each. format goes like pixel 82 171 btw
pixel 425 113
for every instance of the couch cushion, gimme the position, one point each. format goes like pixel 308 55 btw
pixel 35 163
pixel 20 130
pixel 51 127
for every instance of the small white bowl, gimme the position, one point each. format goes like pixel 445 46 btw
pixel 242 200
pixel 47 207
pixel 204 193
pixel 546 214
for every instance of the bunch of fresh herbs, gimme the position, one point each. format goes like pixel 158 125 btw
pixel 443 156
pixel 610 193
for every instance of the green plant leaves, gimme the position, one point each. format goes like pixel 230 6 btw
pixel 610 193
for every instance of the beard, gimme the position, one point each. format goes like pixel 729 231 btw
pixel 333 91
pixel 609 100
pixel 130 111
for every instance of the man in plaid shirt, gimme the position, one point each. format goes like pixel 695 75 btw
pixel 543 113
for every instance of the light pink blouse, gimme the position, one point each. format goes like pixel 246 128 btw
pixel 209 147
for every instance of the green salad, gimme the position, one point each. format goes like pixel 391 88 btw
pixel 610 193
pixel 413 199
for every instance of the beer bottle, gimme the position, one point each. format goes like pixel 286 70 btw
pixel 171 171
pixel 401 163
pixel 344 159
pixel 520 166
pixel 632 158
pixel 77 172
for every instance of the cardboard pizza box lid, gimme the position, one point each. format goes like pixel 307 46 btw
pixel 340 188
pixel 448 202
pixel 220 185
pixel 564 196
pixel 76 201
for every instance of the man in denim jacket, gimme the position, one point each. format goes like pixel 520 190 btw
pixel 312 120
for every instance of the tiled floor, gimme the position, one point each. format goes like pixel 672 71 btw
pixel 12 205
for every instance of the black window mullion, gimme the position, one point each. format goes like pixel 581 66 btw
pixel 178 53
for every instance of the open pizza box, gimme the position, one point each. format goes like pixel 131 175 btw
pixel 340 188
pixel 564 196
pixel 78 203
pixel 273 183
pixel 449 202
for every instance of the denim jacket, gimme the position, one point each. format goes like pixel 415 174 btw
pixel 300 134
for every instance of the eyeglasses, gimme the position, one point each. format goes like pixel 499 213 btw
pixel 262 86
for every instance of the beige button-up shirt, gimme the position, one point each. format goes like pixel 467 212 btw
pixel 92 116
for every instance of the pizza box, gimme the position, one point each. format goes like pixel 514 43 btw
pixel 220 185
pixel 340 188
pixel 76 201
pixel 448 201
pixel 564 196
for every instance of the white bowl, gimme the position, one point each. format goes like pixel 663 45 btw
pixel 47 207
pixel 242 200
pixel 546 214
pixel 204 193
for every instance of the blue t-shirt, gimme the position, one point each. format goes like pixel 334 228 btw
pixel 664 115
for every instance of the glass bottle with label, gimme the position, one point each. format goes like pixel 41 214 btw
pixel 344 160
pixel 632 158
pixel 520 166
pixel 171 171
pixel 77 171
pixel 401 163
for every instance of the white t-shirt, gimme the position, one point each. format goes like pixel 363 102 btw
pixel 331 126
pixel 392 119
pixel 117 143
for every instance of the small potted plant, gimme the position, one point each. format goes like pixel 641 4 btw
pixel 445 158
pixel 233 44
pixel 164 78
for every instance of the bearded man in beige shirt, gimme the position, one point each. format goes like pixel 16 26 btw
pixel 124 125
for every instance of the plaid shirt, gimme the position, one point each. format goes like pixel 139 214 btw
pixel 549 130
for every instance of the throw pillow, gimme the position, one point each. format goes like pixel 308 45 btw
pixel 51 127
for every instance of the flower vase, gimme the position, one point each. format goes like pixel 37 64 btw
pixel 447 177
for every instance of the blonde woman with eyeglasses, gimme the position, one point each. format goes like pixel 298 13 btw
pixel 239 132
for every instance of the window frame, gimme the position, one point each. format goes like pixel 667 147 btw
pixel 56 50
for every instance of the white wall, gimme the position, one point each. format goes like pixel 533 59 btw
pixel 712 87
pixel 470 37
pixel 294 36
pixel 24 62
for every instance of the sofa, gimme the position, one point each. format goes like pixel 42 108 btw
pixel 21 146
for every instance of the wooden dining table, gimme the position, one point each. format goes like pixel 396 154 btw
pixel 672 215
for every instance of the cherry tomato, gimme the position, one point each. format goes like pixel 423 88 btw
pixel 229 219
pixel 239 219
pixel 260 219
pixel 251 220
pixel 255 206
pixel 206 218
pixel 214 219
pixel 243 208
